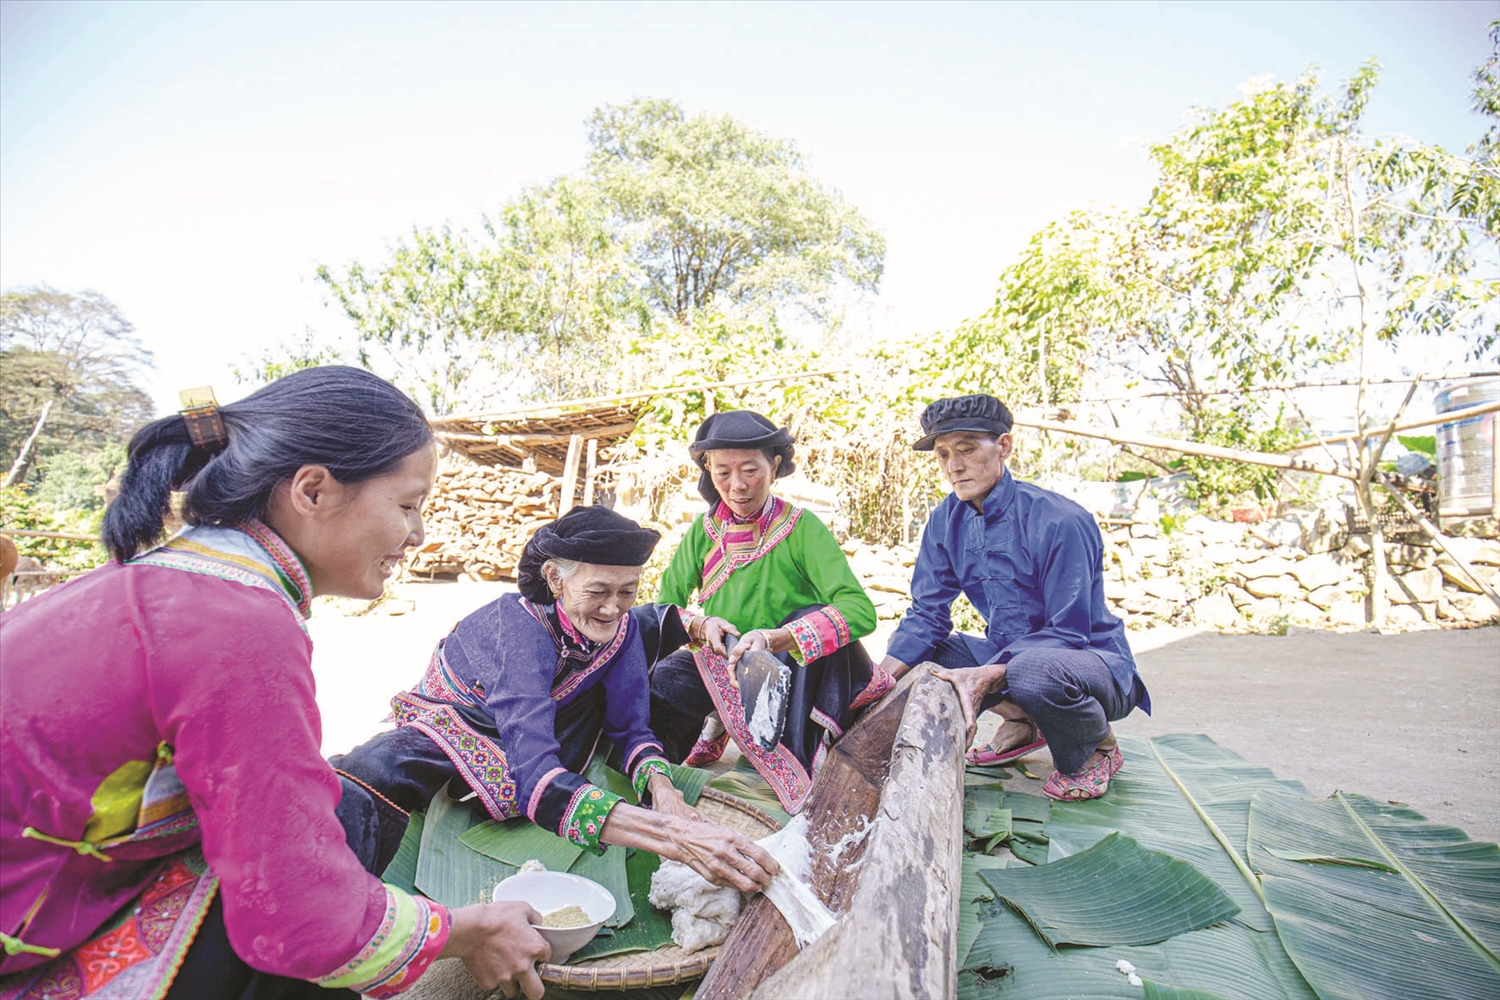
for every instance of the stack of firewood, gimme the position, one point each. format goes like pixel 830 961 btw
pixel 478 519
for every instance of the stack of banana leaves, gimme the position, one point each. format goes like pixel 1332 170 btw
pixel 1201 875
pixel 454 853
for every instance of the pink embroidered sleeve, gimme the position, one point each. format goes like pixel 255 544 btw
pixel 408 940
pixel 819 633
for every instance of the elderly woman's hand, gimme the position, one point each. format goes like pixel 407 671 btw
pixel 499 947
pixel 724 856
pixel 668 801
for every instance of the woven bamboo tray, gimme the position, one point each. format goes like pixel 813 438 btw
pixel 668 965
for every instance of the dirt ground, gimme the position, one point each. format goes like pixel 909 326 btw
pixel 1411 717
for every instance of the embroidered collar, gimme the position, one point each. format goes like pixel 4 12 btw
pixel 577 655
pixel 726 513
pixel 252 554
pixel 739 543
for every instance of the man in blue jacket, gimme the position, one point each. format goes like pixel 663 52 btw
pixel 1053 663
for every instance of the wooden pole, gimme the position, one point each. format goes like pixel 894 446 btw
pixel 1438 539
pixel 1191 447
pixel 570 475
pixel 71 536
pixel 591 466
pixel 1441 418
pixel 522 440
pixel 899 935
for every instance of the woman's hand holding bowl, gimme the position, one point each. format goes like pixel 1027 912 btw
pixel 499 947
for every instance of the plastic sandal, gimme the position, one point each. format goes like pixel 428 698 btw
pixel 708 751
pixel 986 756
pixel 1090 783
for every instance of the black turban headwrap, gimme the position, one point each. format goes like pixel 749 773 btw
pixel 584 534
pixel 738 430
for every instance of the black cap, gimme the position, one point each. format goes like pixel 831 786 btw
pixel 738 430
pixel 978 412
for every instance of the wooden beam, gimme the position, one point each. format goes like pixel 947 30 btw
pixel 528 440
pixel 844 799
pixel 899 935
pixel 1190 447
pixel 570 476
pixel 590 469
pixel 1478 410
pixel 1438 539
pixel 67 535
pixel 673 390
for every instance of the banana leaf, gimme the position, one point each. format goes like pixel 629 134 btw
pixel 1373 900
pixel 1184 795
pixel 1166 991
pixel 1008 961
pixel 1093 898
pixel 689 781
pixel 972 892
pixel 608 778
pixel 402 871
pixel 518 841
pixel 984 812
pixel 447 869
pixel 651 928
pixel 608 870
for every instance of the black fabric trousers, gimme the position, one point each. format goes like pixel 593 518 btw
pixel 1069 693
pixel 680 700
pixel 212 971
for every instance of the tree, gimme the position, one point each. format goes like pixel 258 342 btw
pixel 717 214
pixel 673 217
pixel 68 364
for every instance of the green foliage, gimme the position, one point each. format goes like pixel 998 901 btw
pixel 75 480
pixel 20 510
pixel 681 227
pixel 77 352
pixel 1422 444
pixel 718 214
pixel 1225 483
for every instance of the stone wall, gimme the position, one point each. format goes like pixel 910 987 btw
pixel 1300 570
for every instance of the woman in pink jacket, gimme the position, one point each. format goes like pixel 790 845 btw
pixel 168 826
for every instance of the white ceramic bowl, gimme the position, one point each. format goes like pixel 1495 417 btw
pixel 548 891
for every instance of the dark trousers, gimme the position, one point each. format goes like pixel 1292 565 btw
pixel 212 971
pixel 1069 693
pixel 821 689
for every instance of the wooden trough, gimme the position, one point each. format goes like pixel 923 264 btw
pixel 897 777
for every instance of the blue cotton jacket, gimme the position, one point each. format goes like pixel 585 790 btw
pixel 1031 563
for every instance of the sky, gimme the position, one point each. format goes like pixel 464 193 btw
pixel 196 162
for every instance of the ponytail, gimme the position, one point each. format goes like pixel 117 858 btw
pixel 161 458
pixel 352 422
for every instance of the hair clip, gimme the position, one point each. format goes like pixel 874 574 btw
pixel 201 413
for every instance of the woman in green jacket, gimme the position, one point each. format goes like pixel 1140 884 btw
pixel 772 574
